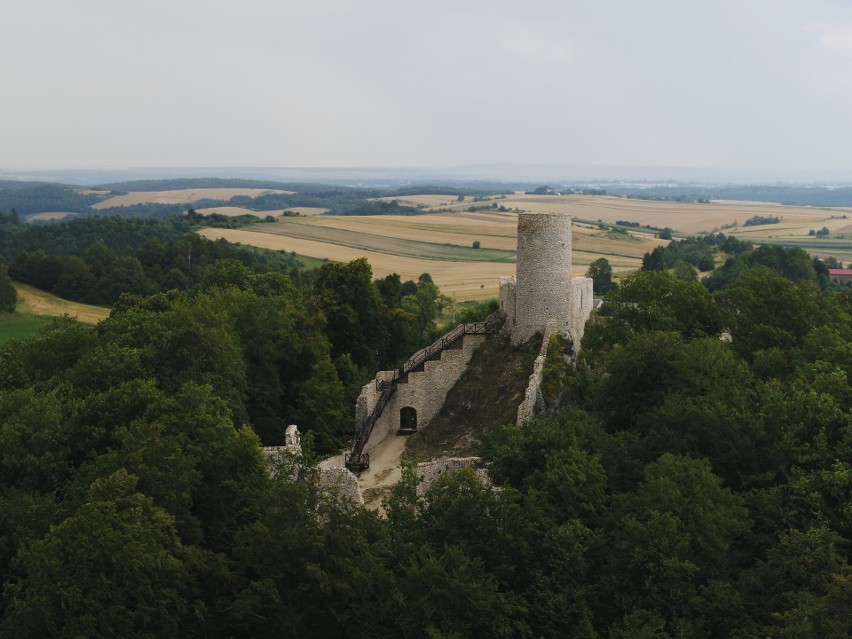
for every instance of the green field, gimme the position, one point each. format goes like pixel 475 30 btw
pixel 16 326
pixel 839 247
pixel 307 263
pixel 384 244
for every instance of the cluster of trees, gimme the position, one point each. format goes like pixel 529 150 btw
pixel 793 263
pixel 676 485
pixel 46 197
pixel 823 232
pixel 757 220
pixel 383 207
pixel 95 260
pixel 696 251
pixel 711 476
pixel 363 325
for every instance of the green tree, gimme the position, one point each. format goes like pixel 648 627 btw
pixel 114 567
pixel 685 271
pixel 659 301
pixel 8 294
pixel 76 280
pixel 353 311
pixel 601 273
pixel 764 309
pixel 654 261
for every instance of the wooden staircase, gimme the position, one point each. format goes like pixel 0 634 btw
pixel 357 460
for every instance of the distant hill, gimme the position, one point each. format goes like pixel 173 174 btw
pixel 23 184
pixel 175 184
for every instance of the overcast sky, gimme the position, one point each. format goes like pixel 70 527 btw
pixel 701 83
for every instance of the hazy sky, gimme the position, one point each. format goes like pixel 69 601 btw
pixel 707 83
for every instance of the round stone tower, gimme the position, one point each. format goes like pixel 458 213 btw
pixel 543 273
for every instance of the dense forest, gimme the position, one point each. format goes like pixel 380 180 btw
pixel 675 484
pixel 95 260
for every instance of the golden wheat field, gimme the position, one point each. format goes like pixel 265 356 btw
pixel 440 245
pixel 463 280
pixel 180 196
pixel 685 217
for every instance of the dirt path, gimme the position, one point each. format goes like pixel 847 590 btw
pixel 377 481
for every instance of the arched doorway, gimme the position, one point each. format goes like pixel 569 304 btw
pixel 407 420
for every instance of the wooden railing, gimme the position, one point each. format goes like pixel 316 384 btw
pixel 357 459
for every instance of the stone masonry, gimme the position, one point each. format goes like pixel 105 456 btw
pixel 532 396
pixel 423 390
pixel 543 288
pixel 428 472
pixel 543 294
pixel 333 479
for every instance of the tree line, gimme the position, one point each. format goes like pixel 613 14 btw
pixel 95 260
pixel 30 198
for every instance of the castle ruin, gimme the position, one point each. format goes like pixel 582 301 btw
pixel 543 297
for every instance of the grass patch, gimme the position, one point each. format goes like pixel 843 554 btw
pixel 487 394
pixel 34 302
pixel 17 326
pixel 307 263
pixel 618 235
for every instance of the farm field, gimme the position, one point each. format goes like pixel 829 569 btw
pixel 431 200
pixel 36 309
pixel 685 217
pixel 427 248
pixel 464 280
pixel 17 326
pixel 180 196
pixel 35 302
pixel 838 247
pixel 440 245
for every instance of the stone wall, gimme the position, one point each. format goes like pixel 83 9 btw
pixel 429 471
pixel 582 303
pixel 507 300
pixel 342 482
pixel 528 407
pixel 423 390
pixel 287 460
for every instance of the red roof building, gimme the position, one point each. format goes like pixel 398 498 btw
pixel 840 275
